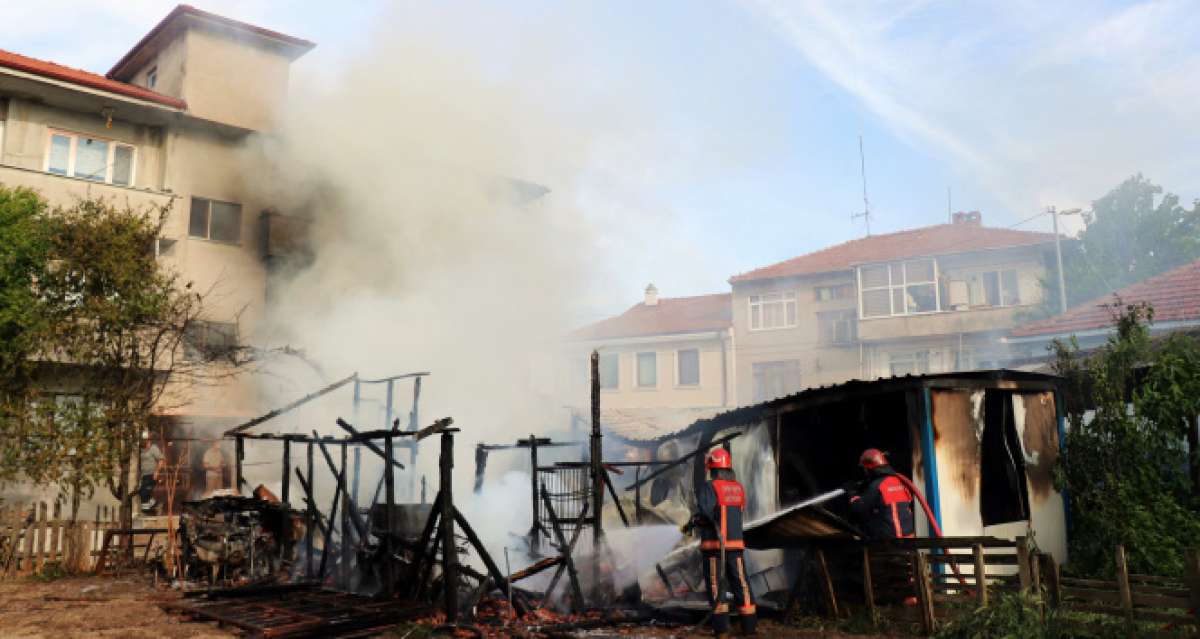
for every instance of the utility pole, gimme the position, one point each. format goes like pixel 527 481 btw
pixel 1062 282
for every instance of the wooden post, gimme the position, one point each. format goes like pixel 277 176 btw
pixel 1023 564
pixel 389 491
pixel 868 585
pixel 597 465
pixel 449 550
pixel 1192 572
pixel 1123 583
pixel 924 592
pixel 637 495
pixel 239 454
pixel 501 580
pixel 827 584
pixel 535 536
pixel 981 581
pixel 312 513
pixel 564 549
pixel 287 472
pixel 347 556
pixel 1053 581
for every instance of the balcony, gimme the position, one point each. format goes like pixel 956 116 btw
pixel 63 191
pixel 940 323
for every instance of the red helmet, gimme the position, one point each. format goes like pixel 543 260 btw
pixel 872 458
pixel 718 458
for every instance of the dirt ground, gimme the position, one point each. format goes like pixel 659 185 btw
pixel 91 607
pixel 128 607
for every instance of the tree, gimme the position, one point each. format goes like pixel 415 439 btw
pixel 1125 469
pixel 102 327
pixel 1134 232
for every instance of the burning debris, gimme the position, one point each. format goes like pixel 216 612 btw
pixel 233 540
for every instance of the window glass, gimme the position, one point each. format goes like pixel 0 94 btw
pixel 198 221
pixel 225 222
pixel 919 271
pixel 873 276
pixel 991 288
pixel 897 271
pixel 1008 284
pixel 922 298
pixel 899 304
pixel 875 303
pixel 647 369
pixel 689 367
pixel 775 379
pixel 91 159
pixel 609 370
pixel 122 165
pixel 60 154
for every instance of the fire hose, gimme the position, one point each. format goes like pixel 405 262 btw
pixel 933 524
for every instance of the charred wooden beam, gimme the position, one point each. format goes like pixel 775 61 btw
pixel 703 448
pixel 296 404
pixel 359 526
pixel 498 577
pixel 371 446
pixel 389 577
pixel 425 556
pixel 613 493
pixel 449 554
pixel 565 550
pixel 287 472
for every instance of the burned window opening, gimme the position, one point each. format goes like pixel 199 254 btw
pixel 1004 495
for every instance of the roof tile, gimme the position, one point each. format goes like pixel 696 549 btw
pixel 46 69
pixel 940 239
pixel 670 315
pixel 1175 296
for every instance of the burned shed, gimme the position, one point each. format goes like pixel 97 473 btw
pixel 980 445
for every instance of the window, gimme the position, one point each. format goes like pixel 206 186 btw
pixel 213 220
pixel 89 158
pixel 610 370
pixel 900 288
pixel 689 367
pixel 208 341
pixel 909 363
pixel 828 293
pixel 772 310
pixel 837 328
pixel 994 288
pixel 151 78
pixel 647 370
pixel 776 379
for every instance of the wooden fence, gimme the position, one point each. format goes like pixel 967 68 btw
pixel 931 581
pixel 34 538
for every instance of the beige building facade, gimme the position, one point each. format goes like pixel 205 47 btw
pixel 929 300
pixel 166 127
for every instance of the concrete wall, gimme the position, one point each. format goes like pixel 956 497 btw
pixel 233 80
pixel 667 393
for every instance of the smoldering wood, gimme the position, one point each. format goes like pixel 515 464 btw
pixel 613 493
pixel 703 448
pixel 360 527
pixel 239 455
pixel 424 558
pixel 344 572
pixel 287 472
pixel 292 406
pixel 497 576
pixel 328 536
pixel 389 576
pixel 449 553
pixel 371 446
pixel 309 489
pixel 565 550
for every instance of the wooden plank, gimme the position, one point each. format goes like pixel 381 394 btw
pixel 1023 563
pixel 56 534
pixel 827 584
pixel 1160 601
pixel 1105 596
pixel 1154 579
pixel 981 588
pixel 1160 590
pixel 868 587
pixel 1053 581
pixel 1165 617
pixel 924 595
pixel 1089 583
pixel 1123 583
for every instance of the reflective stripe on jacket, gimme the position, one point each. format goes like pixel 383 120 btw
pixel 719 508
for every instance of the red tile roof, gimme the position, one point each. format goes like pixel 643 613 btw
pixel 1175 296
pixel 119 70
pixel 941 239
pixel 671 315
pixel 92 80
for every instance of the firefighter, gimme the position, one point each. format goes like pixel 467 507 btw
pixel 881 503
pixel 719 507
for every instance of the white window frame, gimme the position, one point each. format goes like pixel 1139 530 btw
pixel 911 357
pixel 760 301
pixel 999 271
pixel 833 291
pixel 678 368
pixel 836 317
pixel 73 150
pixel 208 221
pixel 637 369
pixel 902 286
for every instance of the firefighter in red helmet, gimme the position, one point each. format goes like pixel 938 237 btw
pixel 720 505
pixel 882 504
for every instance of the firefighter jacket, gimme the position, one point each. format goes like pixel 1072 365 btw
pixel 719 507
pixel 884 507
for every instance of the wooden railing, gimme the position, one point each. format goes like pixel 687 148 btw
pixel 35 537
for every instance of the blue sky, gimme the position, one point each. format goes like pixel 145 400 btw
pixel 730 129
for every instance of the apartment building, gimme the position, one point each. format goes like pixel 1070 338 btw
pixel 927 300
pixel 664 363
pixel 166 126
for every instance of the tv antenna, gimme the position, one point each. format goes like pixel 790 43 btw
pixel 862 165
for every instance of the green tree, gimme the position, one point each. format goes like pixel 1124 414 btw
pixel 1134 232
pixel 1125 468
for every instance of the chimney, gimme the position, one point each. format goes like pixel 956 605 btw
pixel 651 295
pixel 971 218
